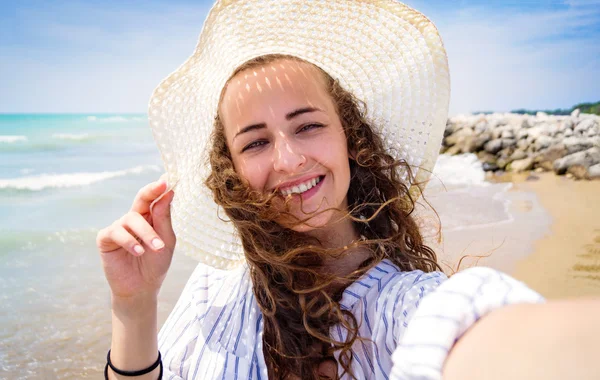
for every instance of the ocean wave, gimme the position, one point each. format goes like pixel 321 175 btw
pixel 12 139
pixel 115 119
pixel 72 136
pixel 48 181
pixel 460 170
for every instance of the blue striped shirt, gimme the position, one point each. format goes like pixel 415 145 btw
pixel 413 319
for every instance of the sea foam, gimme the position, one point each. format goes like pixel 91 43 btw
pixel 46 181
pixel 114 119
pixel 71 136
pixel 12 139
pixel 458 171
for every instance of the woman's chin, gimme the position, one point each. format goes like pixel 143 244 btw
pixel 318 221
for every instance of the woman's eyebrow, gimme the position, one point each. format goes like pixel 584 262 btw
pixel 300 111
pixel 250 128
pixel 289 116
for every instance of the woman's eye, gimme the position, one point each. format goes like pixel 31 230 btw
pixel 254 144
pixel 309 127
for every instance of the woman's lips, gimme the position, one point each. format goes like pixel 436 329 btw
pixel 310 192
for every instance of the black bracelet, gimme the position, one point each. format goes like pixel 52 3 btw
pixel 157 363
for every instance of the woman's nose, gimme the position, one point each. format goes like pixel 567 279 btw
pixel 287 158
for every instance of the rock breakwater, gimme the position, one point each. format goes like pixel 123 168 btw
pixel 514 142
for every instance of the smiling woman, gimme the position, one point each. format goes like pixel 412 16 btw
pixel 317 269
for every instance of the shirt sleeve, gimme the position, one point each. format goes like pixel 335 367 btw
pixel 434 322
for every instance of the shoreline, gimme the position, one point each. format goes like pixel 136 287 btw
pixel 544 230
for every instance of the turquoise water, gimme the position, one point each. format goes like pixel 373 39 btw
pixel 62 178
pixel 67 165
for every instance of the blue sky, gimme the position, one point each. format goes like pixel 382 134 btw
pixel 107 56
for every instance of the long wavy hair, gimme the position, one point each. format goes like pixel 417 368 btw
pixel 300 301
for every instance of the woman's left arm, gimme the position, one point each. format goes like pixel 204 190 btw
pixel 556 340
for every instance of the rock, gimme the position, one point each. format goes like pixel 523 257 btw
pixel 508 143
pixel 577 144
pixel 522 144
pixel 481 126
pixel 539 170
pixel 507 134
pixel 585 158
pixel 503 162
pixel 585 124
pixel 545 159
pixel 489 167
pixel 567 124
pixel 578 172
pixel 542 142
pixel 493 146
pixel 575 113
pixel 569 175
pixel 535 132
pixel 518 154
pixel 568 132
pixel 453 150
pixel 521 165
pixel 478 142
pixel 526 123
pixel 594 171
pixel 484 157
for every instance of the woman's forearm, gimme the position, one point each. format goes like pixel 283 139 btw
pixel 556 340
pixel 134 336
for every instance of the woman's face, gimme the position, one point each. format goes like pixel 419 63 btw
pixel 284 133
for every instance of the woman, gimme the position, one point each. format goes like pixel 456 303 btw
pixel 324 273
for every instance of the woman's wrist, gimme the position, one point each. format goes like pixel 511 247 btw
pixel 134 331
pixel 135 307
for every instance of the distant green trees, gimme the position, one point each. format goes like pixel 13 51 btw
pixel 593 108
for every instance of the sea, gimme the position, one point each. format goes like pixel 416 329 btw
pixel 65 176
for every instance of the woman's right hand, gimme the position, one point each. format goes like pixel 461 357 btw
pixel 136 268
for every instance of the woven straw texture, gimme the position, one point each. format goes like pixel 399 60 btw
pixel 389 55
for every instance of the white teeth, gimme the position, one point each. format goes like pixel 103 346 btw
pixel 298 189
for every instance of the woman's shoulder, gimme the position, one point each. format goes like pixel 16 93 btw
pixel 207 285
pixel 386 283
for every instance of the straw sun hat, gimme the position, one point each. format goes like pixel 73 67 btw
pixel 387 54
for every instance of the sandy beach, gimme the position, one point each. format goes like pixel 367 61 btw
pixel 566 261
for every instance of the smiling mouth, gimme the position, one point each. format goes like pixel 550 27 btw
pixel 303 187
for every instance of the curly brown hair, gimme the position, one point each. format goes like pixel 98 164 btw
pixel 300 301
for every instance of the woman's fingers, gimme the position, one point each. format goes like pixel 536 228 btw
pixel 161 218
pixel 124 239
pixel 116 236
pixel 138 226
pixel 146 195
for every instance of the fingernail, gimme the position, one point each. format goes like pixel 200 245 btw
pixel 157 243
pixel 138 249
